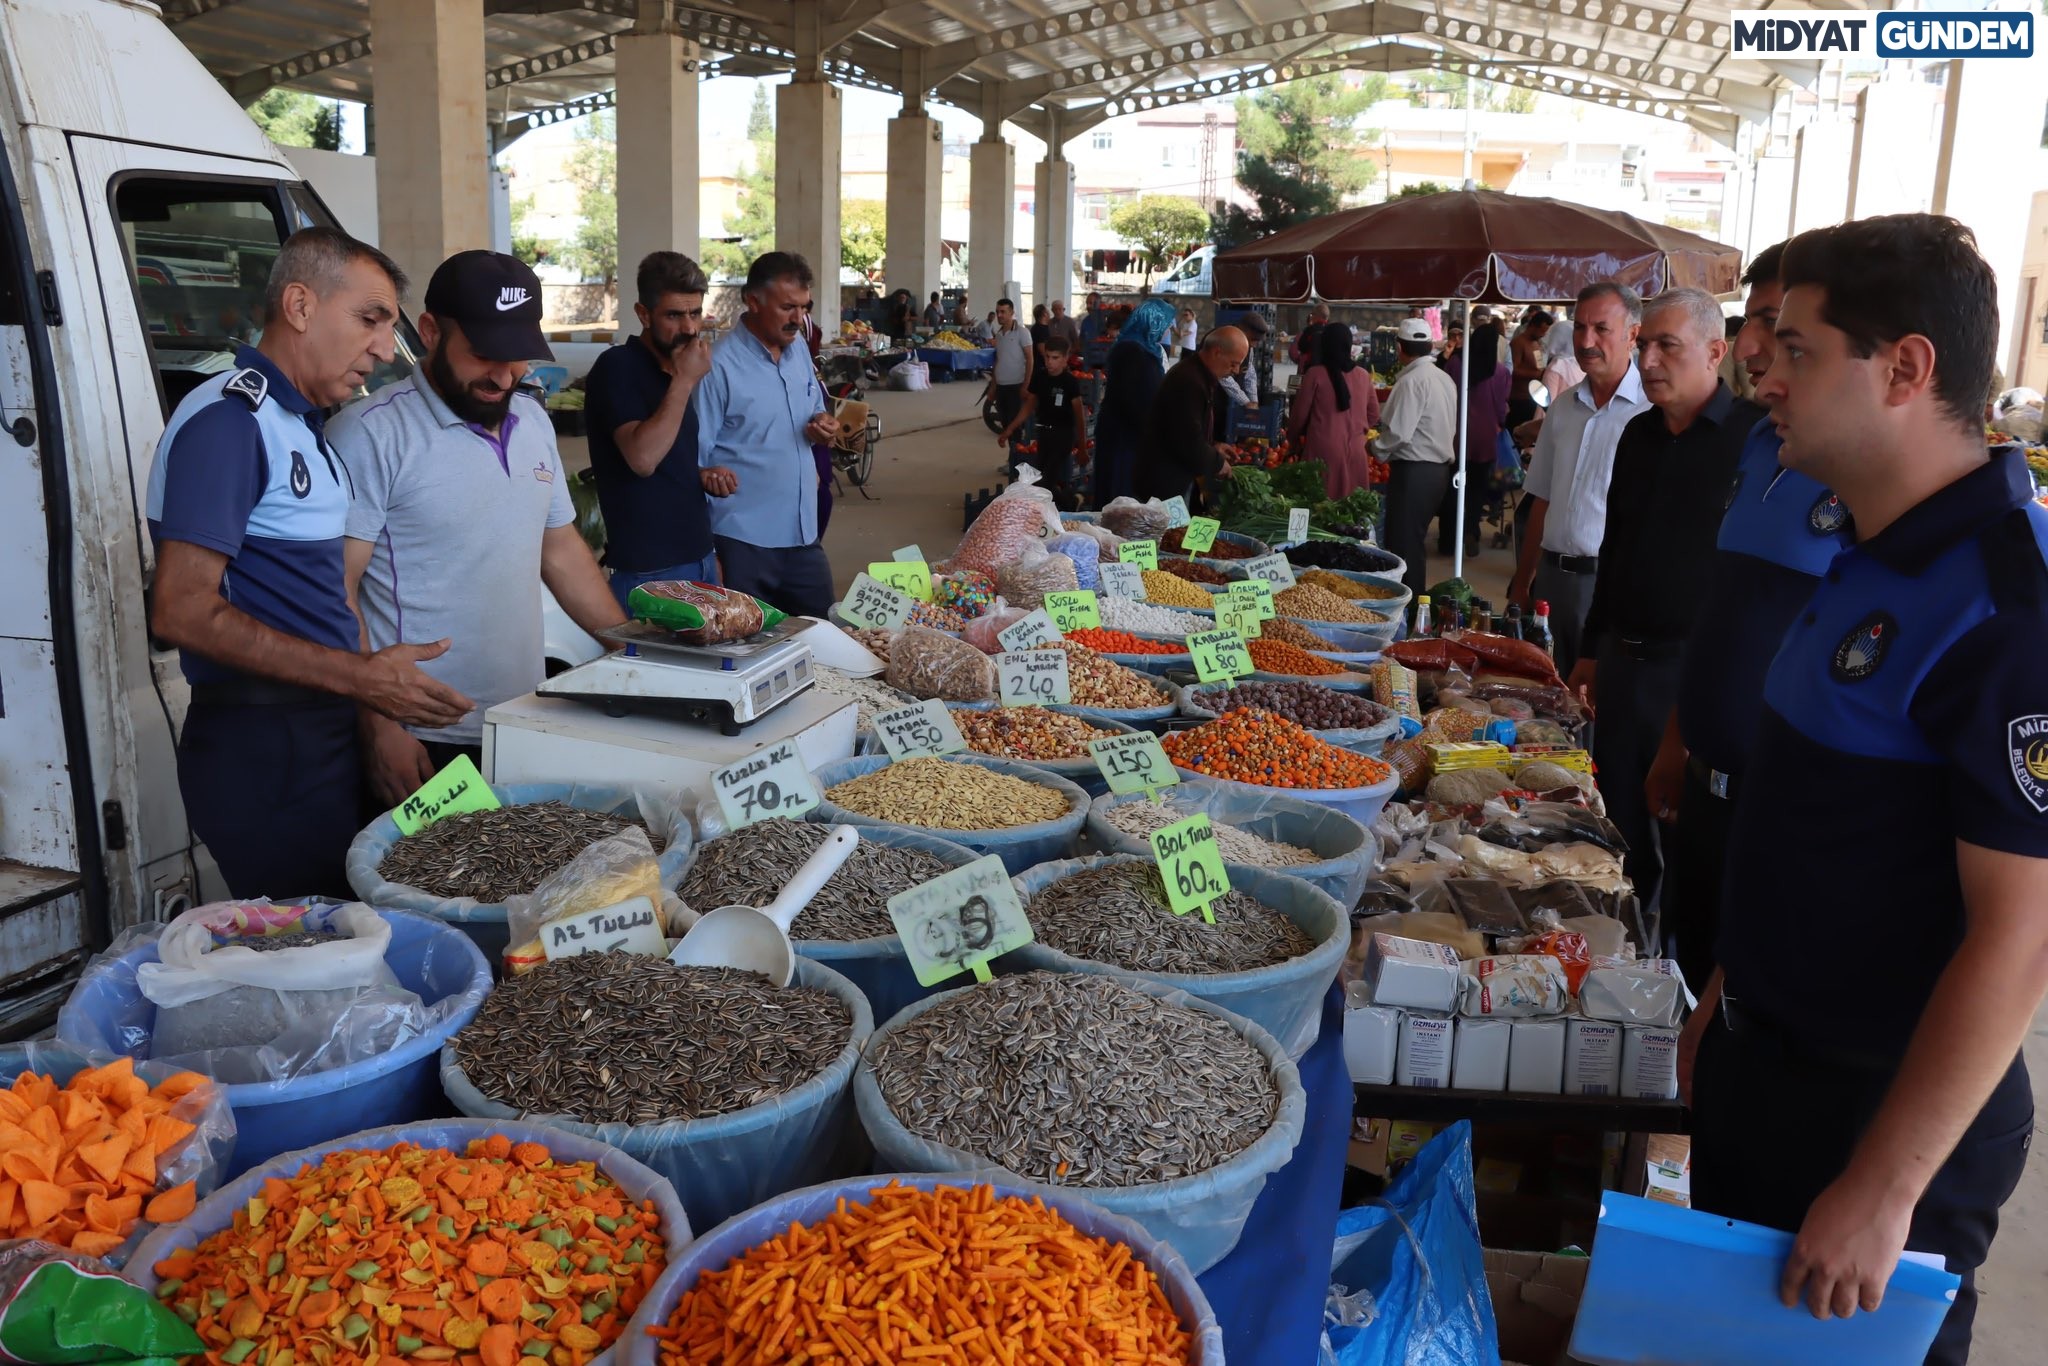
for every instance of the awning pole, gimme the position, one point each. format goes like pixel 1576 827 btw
pixel 1464 434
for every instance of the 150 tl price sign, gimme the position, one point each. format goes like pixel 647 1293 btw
pixel 1190 866
pixel 959 922
pixel 925 728
pixel 771 783
pixel 1133 763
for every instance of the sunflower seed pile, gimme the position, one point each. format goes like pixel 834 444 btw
pixel 626 1038
pixel 1117 913
pixel 1077 1081
pixel 751 866
pixel 490 855
pixel 291 939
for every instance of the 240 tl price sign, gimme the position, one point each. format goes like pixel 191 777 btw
pixel 771 783
pixel 1190 866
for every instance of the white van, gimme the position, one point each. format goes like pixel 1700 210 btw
pixel 1192 276
pixel 140 210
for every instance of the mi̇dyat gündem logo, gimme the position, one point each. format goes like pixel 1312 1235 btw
pixel 1917 35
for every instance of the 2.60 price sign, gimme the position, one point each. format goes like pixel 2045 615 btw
pixel 771 783
pixel 875 605
pixel 1190 865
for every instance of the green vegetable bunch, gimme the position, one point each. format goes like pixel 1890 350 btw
pixel 1356 508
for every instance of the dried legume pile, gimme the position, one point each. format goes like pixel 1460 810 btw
pixel 1348 589
pixel 1278 657
pixel 1122 614
pixel 1254 746
pixel 1093 681
pixel 1191 571
pixel 1124 643
pixel 491 855
pixel 940 795
pixel 1077 1080
pixel 1294 633
pixel 491 1256
pixel 629 1039
pixel 1117 913
pixel 1305 704
pixel 1027 733
pixel 1359 559
pixel 1175 542
pixel 872 639
pixel 751 866
pixel 1320 604
pixel 1172 590
pixel 1236 846
pixel 874 697
pixel 951 1275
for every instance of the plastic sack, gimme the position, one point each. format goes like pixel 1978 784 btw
pixel 1503 654
pixel 660 809
pixel 1020 846
pixel 1285 999
pixel 983 631
pixel 1136 521
pixel 1346 848
pixel 1201 1216
pixel 912 376
pixel 1435 927
pixel 1106 541
pixel 198 958
pixel 1649 992
pixel 928 664
pixel 721 1164
pixel 1085 554
pixel 1513 987
pixel 61 1308
pixel 1431 655
pixel 1035 572
pixel 1539 825
pixel 1417 1252
pixel 721 1245
pixel 701 613
pixel 607 873
pixel 1022 514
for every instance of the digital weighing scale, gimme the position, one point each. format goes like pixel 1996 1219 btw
pixel 648 670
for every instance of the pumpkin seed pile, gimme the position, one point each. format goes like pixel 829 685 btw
pixel 626 1038
pixel 751 866
pixel 490 855
pixel 1077 1080
pixel 940 795
pixel 1117 913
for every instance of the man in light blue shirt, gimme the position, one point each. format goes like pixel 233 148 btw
pixel 759 412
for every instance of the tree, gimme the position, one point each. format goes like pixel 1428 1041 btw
pixel 863 234
pixel 527 245
pixel 1421 188
pixel 1300 152
pixel 760 117
pixel 1507 99
pixel 594 171
pixel 753 222
pixel 291 118
pixel 1159 226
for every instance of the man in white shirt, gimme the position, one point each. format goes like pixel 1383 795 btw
pixel 1418 435
pixel 1566 486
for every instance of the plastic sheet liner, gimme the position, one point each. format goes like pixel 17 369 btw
pixel 1285 999
pixel 204 1157
pixel 1086 553
pixel 636 1181
pixel 1368 740
pixel 1138 718
pixel 1362 804
pixel 107 1014
pixel 771 1220
pixel 1081 772
pixel 1020 846
pixel 1348 848
pixel 1201 1215
pixel 722 1164
pixel 663 810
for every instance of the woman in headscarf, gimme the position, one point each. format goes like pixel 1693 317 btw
pixel 1561 369
pixel 1130 378
pixel 1333 408
pixel 1486 407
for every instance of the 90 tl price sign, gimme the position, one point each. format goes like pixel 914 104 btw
pixel 1190 866
pixel 771 783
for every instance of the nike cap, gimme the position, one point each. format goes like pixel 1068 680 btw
pixel 495 299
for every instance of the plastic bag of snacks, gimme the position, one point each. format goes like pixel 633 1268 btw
pixel 981 633
pixel 60 1307
pixel 1085 554
pixel 701 613
pixel 608 873
pixel 1036 572
pixel 1136 521
pixel 1393 686
pixel 1106 541
pixel 930 664
pixel 969 592
pixel 1022 514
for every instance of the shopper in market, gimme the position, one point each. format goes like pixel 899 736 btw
pixel 934 314
pixel 1061 324
pixel 1092 318
pixel 759 413
pixel 1175 450
pixel 1057 417
pixel 1566 485
pixel 248 502
pixel 1334 407
pixel 643 434
pixel 1526 349
pixel 1130 381
pixel 1485 408
pixel 1882 948
pixel 1012 371
pixel 1417 429
pixel 462 512
pixel 1304 351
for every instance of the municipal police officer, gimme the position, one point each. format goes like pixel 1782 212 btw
pixel 1882 944
pixel 247 502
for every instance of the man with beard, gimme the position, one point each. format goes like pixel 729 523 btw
pixel 643 435
pixel 461 512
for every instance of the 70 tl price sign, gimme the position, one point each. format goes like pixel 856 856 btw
pixel 1190 866
pixel 771 783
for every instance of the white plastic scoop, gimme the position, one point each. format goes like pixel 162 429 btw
pixel 757 940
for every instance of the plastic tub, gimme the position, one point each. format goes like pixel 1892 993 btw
pixel 663 810
pixel 1286 999
pixel 1081 772
pixel 1395 569
pixel 1359 739
pixel 217 1211
pixel 108 1014
pixel 1251 545
pixel 1348 850
pixel 1019 846
pixel 722 1164
pixel 1362 804
pixel 1395 607
pixel 1201 1216
pixel 737 1235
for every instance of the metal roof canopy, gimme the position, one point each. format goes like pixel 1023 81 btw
pixel 1047 65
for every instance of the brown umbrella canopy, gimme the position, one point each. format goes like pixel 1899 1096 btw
pixel 1478 245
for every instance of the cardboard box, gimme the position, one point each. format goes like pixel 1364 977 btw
pixel 1649 1062
pixel 1407 1137
pixel 1480 1061
pixel 1425 1056
pixel 1592 1057
pixel 1535 1302
pixel 1367 1150
pixel 1536 1056
pixel 1412 973
pixel 1372 1037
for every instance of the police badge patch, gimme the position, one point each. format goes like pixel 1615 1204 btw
pixel 1863 649
pixel 2026 745
pixel 302 478
pixel 1827 515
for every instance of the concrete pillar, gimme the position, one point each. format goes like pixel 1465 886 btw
pixel 1891 167
pixel 1991 128
pixel 915 172
pixel 1052 225
pixel 1770 203
pixel 657 85
pixel 1820 175
pixel 991 219
pixel 433 192
pixel 807 181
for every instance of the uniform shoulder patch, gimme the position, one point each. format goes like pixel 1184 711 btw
pixel 252 386
pixel 2026 740
pixel 1864 648
pixel 1828 515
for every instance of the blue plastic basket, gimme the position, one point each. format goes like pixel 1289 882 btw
pixel 1359 739
pixel 1020 846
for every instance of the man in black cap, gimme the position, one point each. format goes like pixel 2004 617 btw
pixel 462 511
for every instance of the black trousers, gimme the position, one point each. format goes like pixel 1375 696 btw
pixel 272 789
pixel 795 578
pixel 1009 399
pixel 1635 698
pixel 1478 483
pixel 1415 490
pixel 1772 1129
pixel 1696 854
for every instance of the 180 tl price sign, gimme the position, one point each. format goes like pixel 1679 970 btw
pixel 771 783
pixel 1190 866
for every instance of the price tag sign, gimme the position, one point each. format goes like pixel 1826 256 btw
pixel 1219 655
pixel 907 554
pixel 873 604
pixel 1241 616
pixel 912 578
pixel 1133 763
pixel 1143 554
pixel 1190 866
pixel 1201 534
pixel 1073 610
pixel 960 922
pixel 1122 580
pixel 632 926
pixel 1028 631
pixel 1256 594
pixel 1033 678
pixel 1297 525
pixel 1271 569
pixel 771 783
pixel 924 729
pixel 1176 512
pixel 455 789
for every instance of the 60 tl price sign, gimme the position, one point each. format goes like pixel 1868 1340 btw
pixel 1190 866
pixel 771 783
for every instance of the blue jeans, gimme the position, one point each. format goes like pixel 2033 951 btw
pixel 700 571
